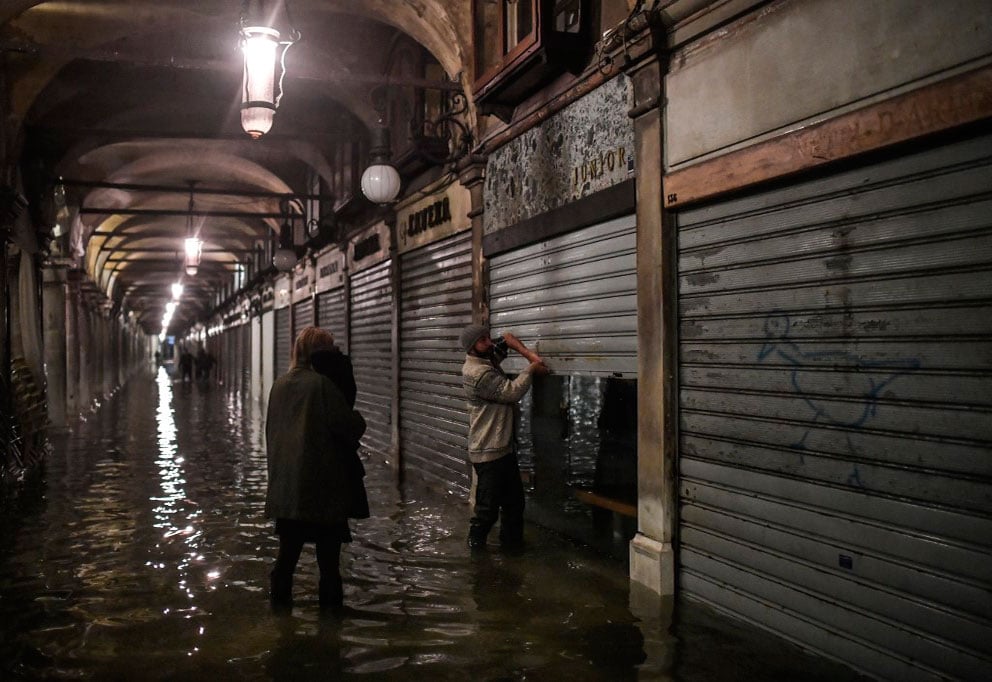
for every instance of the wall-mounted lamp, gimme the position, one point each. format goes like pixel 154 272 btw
pixel 381 180
pixel 285 256
pixel 441 141
pixel 261 91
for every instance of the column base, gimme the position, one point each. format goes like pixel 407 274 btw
pixel 652 564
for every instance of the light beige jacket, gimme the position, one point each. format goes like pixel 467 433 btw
pixel 492 399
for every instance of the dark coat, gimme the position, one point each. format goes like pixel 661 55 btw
pixel 336 366
pixel 310 433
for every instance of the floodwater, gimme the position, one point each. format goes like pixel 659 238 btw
pixel 145 556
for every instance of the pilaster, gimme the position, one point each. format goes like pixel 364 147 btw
pixel 53 322
pixel 471 174
pixel 652 553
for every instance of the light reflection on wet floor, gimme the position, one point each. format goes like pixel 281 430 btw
pixel 148 558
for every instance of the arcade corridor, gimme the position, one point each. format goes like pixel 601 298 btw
pixel 144 554
pixel 751 240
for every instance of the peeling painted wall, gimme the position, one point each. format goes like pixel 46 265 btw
pixel 584 148
pixel 790 67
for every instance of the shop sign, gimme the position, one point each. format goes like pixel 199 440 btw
pixel 368 248
pixel 432 218
pixel 329 270
pixel 302 283
pixel 268 299
pixel 283 291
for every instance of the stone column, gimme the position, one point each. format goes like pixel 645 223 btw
pixel 72 345
pixel 84 329
pixel 100 354
pixel 53 325
pixel 472 174
pixel 111 366
pixel 652 557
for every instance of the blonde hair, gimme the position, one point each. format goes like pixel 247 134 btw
pixel 308 342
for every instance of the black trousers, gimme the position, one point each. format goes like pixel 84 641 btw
pixel 499 494
pixel 291 541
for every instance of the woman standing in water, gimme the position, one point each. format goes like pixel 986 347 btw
pixel 311 434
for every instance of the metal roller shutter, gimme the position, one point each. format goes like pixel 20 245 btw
pixel 372 351
pixel 302 316
pixel 331 312
pixel 435 304
pixel 284 341
pixel 836 411
pixel 577 295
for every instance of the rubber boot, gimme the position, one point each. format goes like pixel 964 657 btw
pixel 477 536
pixel 331 594
pixel 280 592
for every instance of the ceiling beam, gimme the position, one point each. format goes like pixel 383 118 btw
pixel 175 189
pixel 316 73
pixel 87 210
pixel 138 249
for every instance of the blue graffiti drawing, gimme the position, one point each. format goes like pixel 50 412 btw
pixel 877 375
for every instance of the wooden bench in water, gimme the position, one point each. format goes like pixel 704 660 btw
pixel 596 499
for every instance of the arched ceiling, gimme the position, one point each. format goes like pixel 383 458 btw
pixel 130 101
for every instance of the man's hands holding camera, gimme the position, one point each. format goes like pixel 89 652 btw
pixel 537 365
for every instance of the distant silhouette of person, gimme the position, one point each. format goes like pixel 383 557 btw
pixel 204 363
pixel 311 432
pixel 185 365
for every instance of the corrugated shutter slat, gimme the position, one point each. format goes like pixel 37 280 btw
pixel 436 305
pixel 835 382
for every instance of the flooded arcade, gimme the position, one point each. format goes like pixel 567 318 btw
pixel 144 554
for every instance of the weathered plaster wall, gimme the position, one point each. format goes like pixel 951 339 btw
pixel 584 148
pixel 799 61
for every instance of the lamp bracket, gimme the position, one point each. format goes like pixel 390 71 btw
pixel 442 140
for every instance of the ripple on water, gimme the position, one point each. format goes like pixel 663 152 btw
pixel 149 557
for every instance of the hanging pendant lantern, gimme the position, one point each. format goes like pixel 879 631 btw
pixel 194 249
pixel 381 180
pixel 259 101
pixel 264 70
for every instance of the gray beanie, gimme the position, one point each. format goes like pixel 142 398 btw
pixel 470 334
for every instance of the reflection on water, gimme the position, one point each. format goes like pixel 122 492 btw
pixel 578 434
pixel 148 558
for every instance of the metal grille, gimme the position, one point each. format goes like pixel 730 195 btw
pixel 576 294
pixel 836 411
pixel 283 342
pixel 302 316
pixel 372 351
pixel 436 303
pixel 331 315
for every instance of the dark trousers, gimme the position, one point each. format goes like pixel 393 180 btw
pixel 499 494
pixel 328 561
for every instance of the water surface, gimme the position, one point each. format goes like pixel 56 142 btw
pixel 145 555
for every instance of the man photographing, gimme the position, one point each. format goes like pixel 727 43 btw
pixel 492 399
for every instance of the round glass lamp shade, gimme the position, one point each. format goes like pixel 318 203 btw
pixel 284 260
pixel 381 183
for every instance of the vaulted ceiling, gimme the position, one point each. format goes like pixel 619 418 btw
pixel 131 103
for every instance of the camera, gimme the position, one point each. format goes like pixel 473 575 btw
pixel 500 349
